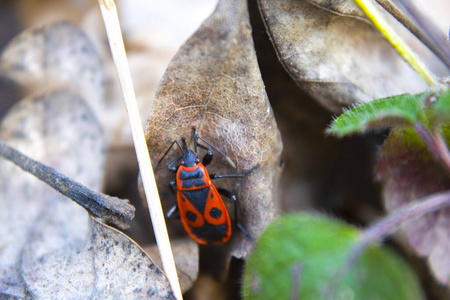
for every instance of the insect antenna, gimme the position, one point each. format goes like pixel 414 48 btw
pixel 196 137
pixel 174 142
pixel 185 144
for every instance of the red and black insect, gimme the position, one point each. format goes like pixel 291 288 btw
pixel 202 211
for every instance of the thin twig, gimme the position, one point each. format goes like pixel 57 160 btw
pixel 296 280
pixel 428 36
pixel 435 143
pixel 113 31
pixel 386 226
pixel 110 209
pixel 428 140
pixel 442 147
pixel 397 42
pixel 389 224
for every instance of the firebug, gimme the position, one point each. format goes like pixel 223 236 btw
pixel 201 208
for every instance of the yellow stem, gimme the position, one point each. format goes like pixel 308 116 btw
pixel 405 51
pixel 114 33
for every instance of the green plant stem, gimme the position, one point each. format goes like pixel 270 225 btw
pixel 389 224
pixel 435 143
pixel 428 139
pixel 384 227
pixel 442 147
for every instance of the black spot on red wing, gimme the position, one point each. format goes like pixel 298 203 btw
pixel 215 213
pixel 198 198
pixel 191 216
pixel 212 195
pixel 210 233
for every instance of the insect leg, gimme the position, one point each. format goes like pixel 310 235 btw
pixel 231 196
pixel 196 137
pixel 171 186
pixel 174 209
pixel 206 160
pixel 173 168
pixel 171 213
pixel 215 176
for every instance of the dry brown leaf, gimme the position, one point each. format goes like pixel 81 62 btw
pixel 409 173
pixel 214 83
pixel 41 128
pixel 105 264
pixel 207 287
pixel 344 7
pixel 334 55
pixel 185 253
pixel 50 248
pixel 58 55
pixel 152 36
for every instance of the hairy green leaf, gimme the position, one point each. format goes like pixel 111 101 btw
pixel 380 113
pixel 441 109
pixel 299 254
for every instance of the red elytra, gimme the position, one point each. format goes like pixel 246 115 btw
pixel 202 211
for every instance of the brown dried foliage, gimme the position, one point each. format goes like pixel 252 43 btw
pixel 214 84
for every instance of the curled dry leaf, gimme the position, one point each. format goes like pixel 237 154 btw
pixel 343 7
pixel 214 83
pixel 185 253
pixel 50 248
pixel 56 129
pixel 61 55
pixel 55 56
pixel 104 264
pixel 334 55
pixel 410 172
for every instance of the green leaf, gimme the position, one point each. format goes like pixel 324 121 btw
pixel 380 113
pixel 441 109
pixel 299 254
